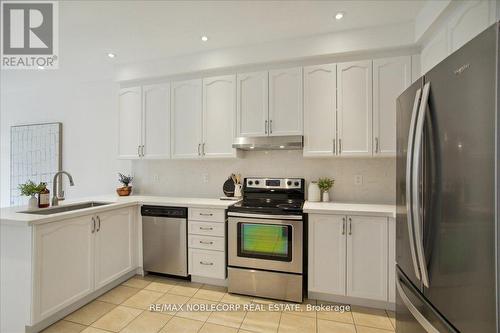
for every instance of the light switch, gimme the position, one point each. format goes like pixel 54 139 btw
pixel 358 180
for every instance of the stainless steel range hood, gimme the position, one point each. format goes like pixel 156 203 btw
pixel 291 142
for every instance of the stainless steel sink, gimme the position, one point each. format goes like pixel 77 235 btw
pixel 67 208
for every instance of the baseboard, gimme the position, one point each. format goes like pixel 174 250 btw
pixel 352 301
pixel 78 304
pixel 212 281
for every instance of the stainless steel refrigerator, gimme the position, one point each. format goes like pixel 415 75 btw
pixel 447 194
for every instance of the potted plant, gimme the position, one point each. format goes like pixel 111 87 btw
pixel 126 189
pixel 325 184
pixel 30 189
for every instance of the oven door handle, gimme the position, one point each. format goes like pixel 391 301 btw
pixel 265 216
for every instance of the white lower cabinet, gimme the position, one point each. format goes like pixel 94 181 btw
pixel 207 243
pixel 348 256
pixel 75 257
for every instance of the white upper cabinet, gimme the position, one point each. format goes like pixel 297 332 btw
pixel 156 121
pixel 285 102
pixel 354 115
pixel 219 116
pixel 129 122
pixel 391 76
pixel 327 254
pixel 367 257
pixel 252 104
pixel 320 103
pixel 186 119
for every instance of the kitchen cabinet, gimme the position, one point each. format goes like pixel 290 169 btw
pixel 320 107
pixel 113 245
pixel 285 102
pixel 252 104
pixel 219 116
pixel 90 251
pixel 129 123
pixel 144 122
pixel 367 257
pixel 391 76
pixel 327 253
pixel 64 252
pixel 392 261
pixel 354 108
pixel 348 256
pixel 186 121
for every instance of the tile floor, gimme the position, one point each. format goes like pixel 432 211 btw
pixel 126 309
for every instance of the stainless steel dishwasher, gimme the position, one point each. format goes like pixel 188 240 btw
pixel 164 240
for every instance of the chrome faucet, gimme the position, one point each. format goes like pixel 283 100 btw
pixel 55 196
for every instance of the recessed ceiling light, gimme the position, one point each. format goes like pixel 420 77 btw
pixel 282 147
pixel 41 67
pixel 111 55
pixel 204 38
pixel 339 15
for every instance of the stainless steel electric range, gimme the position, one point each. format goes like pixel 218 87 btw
pixel 266 239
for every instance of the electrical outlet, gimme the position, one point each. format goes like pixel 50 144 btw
pixel 205 177
pixel 358 180
pixel 156 178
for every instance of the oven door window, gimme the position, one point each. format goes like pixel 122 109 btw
pixel 265 241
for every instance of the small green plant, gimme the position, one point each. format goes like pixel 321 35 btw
pixel 325 184
pixel 125 180
pixel 29 188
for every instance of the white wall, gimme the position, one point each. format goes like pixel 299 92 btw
pixel 186 178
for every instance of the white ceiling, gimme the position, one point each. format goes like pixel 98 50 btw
pixel 144 30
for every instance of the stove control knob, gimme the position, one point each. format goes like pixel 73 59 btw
pixel 257 182
pixel 250 182
pixel 289 182
pixel 296 183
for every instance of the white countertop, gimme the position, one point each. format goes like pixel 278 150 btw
pixel 349 208
pixel 13 215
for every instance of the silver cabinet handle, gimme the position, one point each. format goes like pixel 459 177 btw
pixel 142 150
pixel 343 226
pixel 203 148
pixel 376 145
pixel 199 146
pixel 207 243
pixel 98 223
pixel 205 228
pixel 350 226
pixel 417 158
pixel 139 151
pixel 93 224
pixel 265 127
pixel 334 146
pixel 206 214
pixel 409 157
pixel 206 263
pixel 270 127
pixel 340 146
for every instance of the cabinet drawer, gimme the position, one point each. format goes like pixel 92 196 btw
pixel 204 214
pixel 206 242
pixel 206 228
pixel 206 263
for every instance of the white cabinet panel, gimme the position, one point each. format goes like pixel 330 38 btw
pixel 205 263
pixel 252 104
pixel 219 116
pixel 285 102
pixel 320 103
pixel 392 261
pixel 435 51
pixel 367 257
pixel 113 245
pixel 186 110
pixel 129 122
pixel 327 253
pixel 207 214
pixel 156 121
pixel 64 265
pixel 391 76
pixel 354 113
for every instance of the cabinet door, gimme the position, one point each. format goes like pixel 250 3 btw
pixel 219 116
pixel 113 245
pixel 392 261
pixel 285 102
pixel 129 122
pixel 252 104
pixel 327 253
pixel 186 119
pixel 320 103
pixel 367 252
pixel 390 78
pixel 354 113
pixel 63 264
pixel 156 121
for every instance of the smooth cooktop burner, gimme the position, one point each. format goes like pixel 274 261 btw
pixel 269 206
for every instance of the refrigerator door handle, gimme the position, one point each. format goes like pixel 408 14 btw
pixel 417 158
pixel 409 201
pixel 413 309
